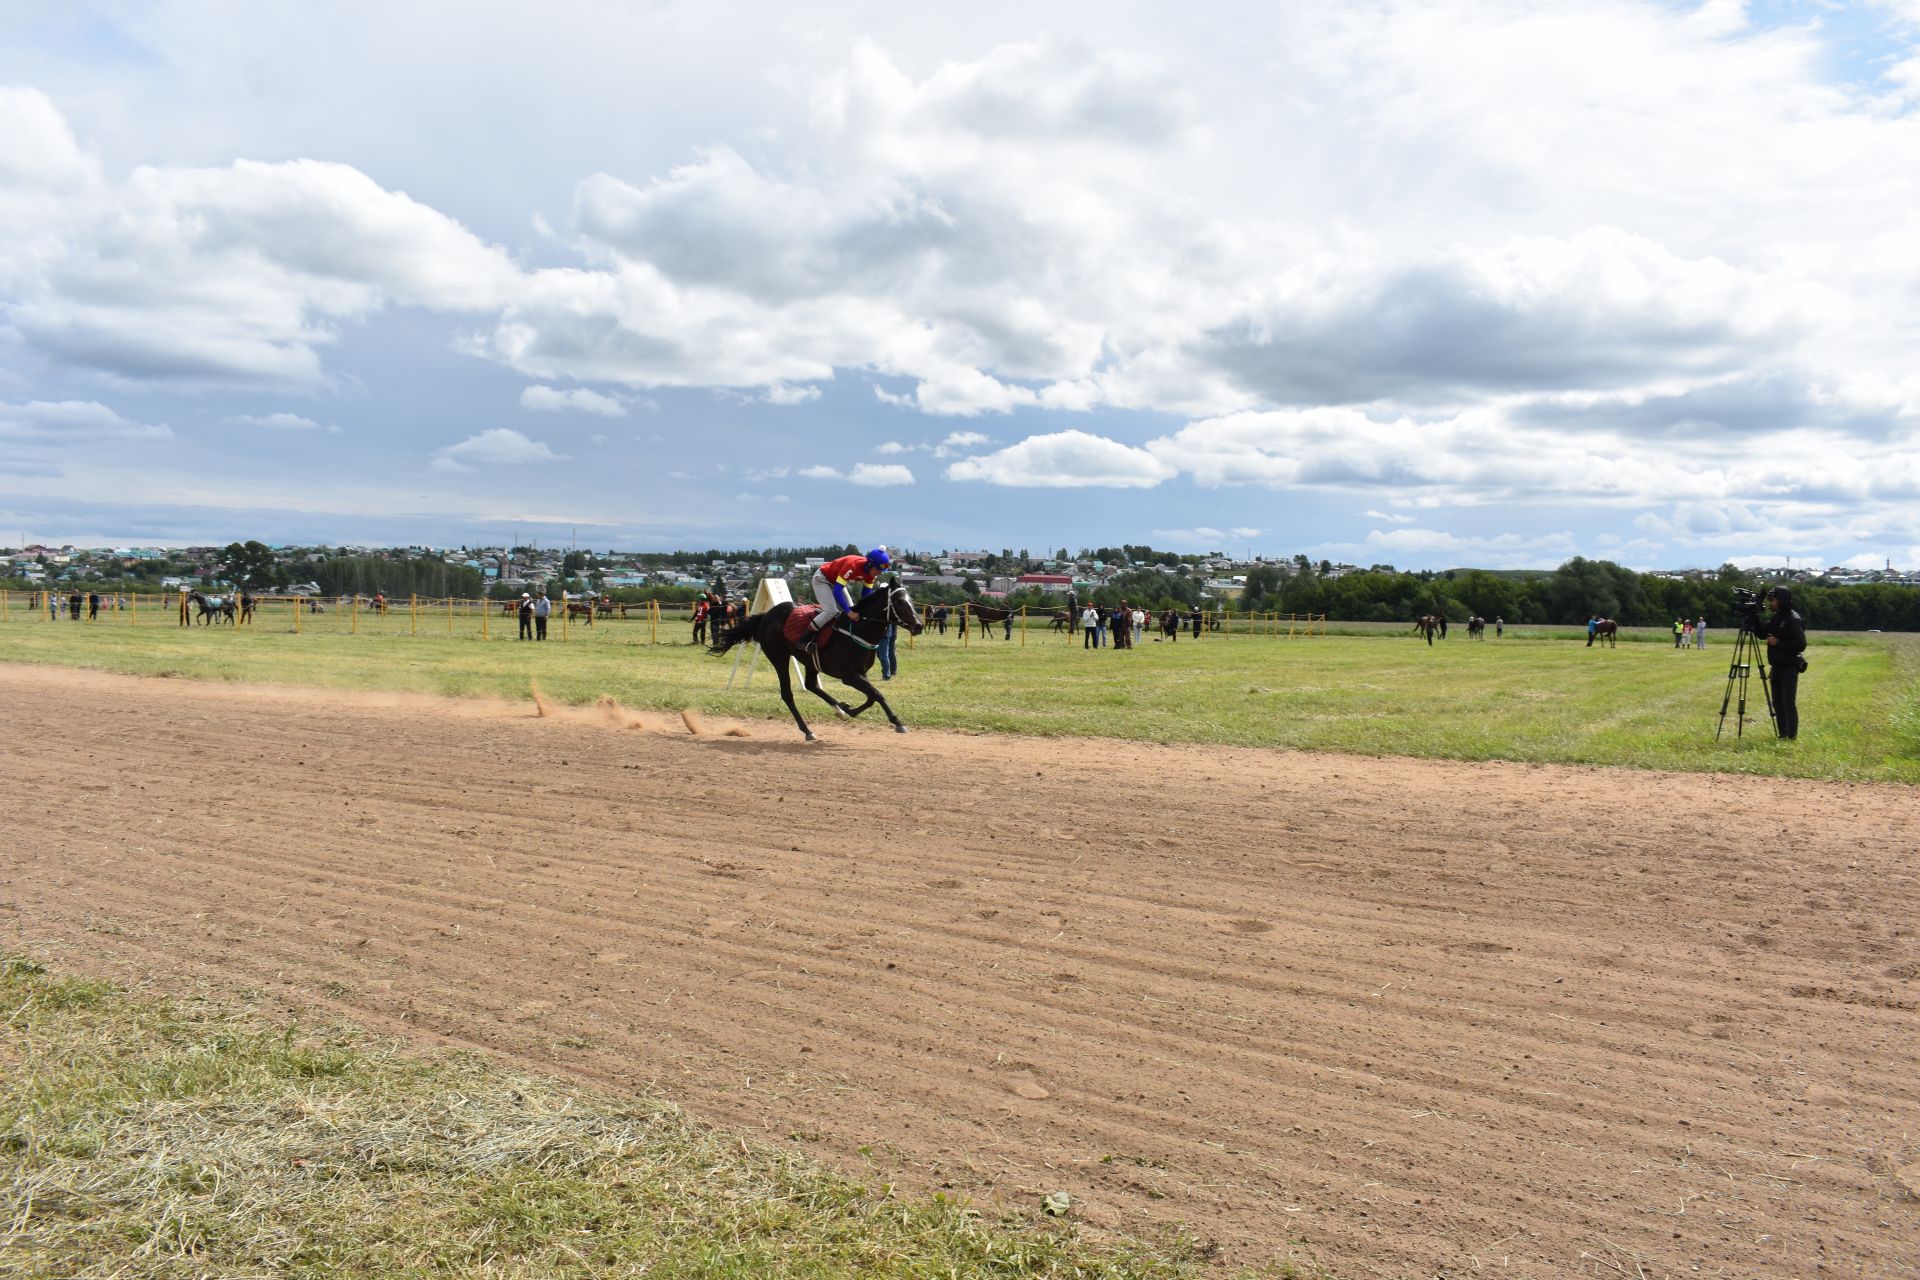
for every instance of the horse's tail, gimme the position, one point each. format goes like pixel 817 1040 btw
pixel 726 637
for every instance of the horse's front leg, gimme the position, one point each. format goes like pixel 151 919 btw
pixel 812 682
pixel 865 686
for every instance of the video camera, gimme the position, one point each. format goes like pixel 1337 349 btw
pixel 1746 607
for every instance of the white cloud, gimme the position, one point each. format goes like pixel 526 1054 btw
pixel 959 442
pixel 60 422
pixel 1065 460
pixel 1388 516
pixel 879 475
pixel 235 274
pixel 596 439
pixel 890 448
pixel 575 400
pixel 494 447
pixel 873 475
pixel 783 394
pixel 282 422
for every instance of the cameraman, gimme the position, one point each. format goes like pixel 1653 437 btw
pixel 1786 640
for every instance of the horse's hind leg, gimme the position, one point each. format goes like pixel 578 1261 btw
pixel 786 692
pixel 812 685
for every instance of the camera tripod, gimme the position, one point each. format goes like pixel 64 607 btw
pixel 1747 652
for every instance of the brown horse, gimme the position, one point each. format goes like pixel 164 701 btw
pixel 1426 624
pixel 1606 629
pixel 575 609
pixel 987 615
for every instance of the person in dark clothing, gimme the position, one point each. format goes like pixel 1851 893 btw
pixel 1786 637
pixel 93 606
pixel 1073 612
pixel 1194 619
pixel 526 615
pixel 73 606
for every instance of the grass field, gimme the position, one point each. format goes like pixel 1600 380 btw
pixel 1537 695
pixel 149 1138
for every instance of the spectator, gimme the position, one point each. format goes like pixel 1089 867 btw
pixel 1123 626
pixel 73 606
pixel 1679 632
pixel 889 655
pixel 1700 633
pixel 1195 620
pixel 525 610
pixel 1499 628
pixel 1090 628
pixel 542 610
pixel 940 618
pixel 1073 611
pixel 53 607
pixel 93 606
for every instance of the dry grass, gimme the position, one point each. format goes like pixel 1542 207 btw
pixel 149 1138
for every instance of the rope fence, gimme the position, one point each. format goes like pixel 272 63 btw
pixel 575 621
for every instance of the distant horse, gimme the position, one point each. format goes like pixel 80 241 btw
pixel 212 608
pixel 846 655
pixel 1476 628
pixel 1426 625
pixel 575 609
pixel 1606 629
pixel 987 615
pixel 1062 621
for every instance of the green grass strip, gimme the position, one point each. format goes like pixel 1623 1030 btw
pixel 1538 695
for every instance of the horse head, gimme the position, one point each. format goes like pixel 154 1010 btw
pixel 900 609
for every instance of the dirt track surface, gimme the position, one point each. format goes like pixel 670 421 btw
pixel 1428 1018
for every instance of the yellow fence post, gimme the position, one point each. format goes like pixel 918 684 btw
pixel 653 617
pixel 486 607
pixel 966 641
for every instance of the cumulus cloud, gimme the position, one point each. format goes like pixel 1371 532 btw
pixel 229 275
pixel 281 422
pixel 576 400
pixel 494 447
pixel 1066 460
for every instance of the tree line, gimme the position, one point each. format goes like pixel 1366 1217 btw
pixel 1569 595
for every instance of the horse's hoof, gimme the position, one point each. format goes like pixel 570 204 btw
pixel 899 728
pixel 810 738
pixel 843 713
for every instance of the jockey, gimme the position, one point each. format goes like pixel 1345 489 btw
pixel 830 583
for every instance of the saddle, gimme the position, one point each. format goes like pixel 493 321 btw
pixel 800 623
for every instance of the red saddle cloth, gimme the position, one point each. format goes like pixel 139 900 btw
pixel 800 622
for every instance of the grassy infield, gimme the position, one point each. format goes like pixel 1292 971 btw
pixel 153 1138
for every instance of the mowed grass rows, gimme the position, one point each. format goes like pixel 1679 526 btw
pixel 1536 695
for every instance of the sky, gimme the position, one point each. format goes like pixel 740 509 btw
pixel 1436 285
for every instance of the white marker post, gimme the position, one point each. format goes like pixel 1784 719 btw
pixel 772 591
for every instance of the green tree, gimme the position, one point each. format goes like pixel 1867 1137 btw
pixel 247 564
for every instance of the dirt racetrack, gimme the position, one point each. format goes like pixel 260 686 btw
pixel 1427 1018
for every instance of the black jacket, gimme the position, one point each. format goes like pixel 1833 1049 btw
pixel 1790 632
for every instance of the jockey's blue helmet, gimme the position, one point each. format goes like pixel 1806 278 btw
pixel 879 558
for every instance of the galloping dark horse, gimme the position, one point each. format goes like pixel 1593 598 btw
pixel 845 659
pixel 1606 629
